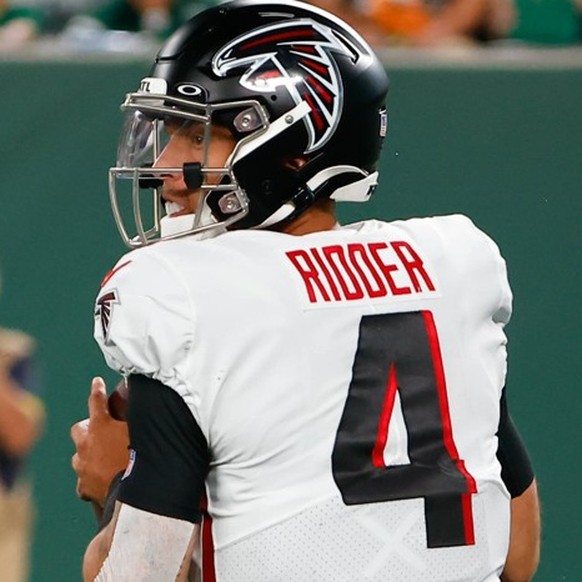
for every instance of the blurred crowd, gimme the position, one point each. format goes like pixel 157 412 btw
pixel 22 417
pixel 124 25
pixel 121 25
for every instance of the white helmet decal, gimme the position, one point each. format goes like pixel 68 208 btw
pixel 271 53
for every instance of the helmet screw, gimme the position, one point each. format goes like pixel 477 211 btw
pixel 289 119
pixel 229 204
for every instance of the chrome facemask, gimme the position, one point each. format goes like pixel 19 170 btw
pixel 136 182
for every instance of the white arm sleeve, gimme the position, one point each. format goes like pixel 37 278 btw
pixel 146 547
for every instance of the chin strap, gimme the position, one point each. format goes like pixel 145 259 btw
pixel 174 226
pixel 279 215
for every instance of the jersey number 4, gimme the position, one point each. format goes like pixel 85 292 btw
pixel 401 352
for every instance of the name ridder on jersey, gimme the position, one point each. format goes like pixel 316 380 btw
pixel 362 271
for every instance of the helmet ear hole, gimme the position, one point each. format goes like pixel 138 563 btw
pixel 295 163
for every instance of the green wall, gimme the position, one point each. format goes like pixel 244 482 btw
pixel 502 144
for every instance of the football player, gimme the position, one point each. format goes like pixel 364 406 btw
pixel 333 396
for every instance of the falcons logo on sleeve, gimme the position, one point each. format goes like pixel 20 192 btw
pixel 297 55
pixel 103 309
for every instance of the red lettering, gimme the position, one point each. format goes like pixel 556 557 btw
pixel 387 269
pixel 355 250
pixel 338 251
pixel 413 264
pixel 360 270
pixel 327 274
pixel 308 271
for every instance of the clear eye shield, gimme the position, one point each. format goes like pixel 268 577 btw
pixel 172 155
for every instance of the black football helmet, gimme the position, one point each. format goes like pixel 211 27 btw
pixel 302 93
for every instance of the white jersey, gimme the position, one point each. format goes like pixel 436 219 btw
pixel 347 383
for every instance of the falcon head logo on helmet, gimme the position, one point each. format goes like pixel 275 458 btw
pixel 274 55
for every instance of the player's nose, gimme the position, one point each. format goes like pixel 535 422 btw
pixel 172 156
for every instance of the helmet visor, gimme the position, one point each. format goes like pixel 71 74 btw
pixel 172 149
pixel 167 163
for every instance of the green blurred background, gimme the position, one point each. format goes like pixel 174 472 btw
pixel 499 140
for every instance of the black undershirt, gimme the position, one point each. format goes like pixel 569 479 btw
pixel 171 455
pixel 516 467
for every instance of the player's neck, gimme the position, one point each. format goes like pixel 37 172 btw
pixel 320 216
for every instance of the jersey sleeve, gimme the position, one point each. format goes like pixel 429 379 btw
pixel 496 267
pixel 143 319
